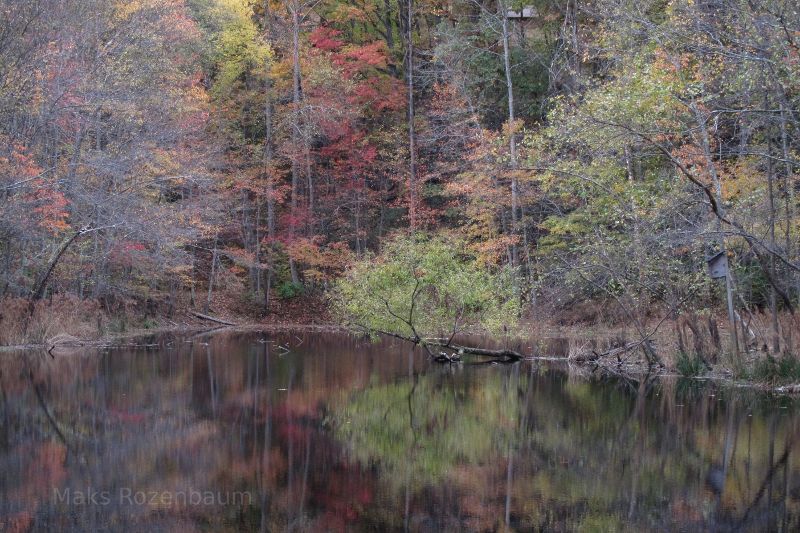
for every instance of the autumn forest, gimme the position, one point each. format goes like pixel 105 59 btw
pixel 612 164
pixel 399 265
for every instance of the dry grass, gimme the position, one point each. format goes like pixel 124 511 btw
pixel 61 315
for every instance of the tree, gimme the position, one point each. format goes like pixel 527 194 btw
pixel 428 290
pixel 103 116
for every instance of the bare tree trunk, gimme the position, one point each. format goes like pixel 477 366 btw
pixel 412 161
pixel 357 216
pixel 512 141
pixel 712 169
pixel 268 151
pixel 790 213
pixel 212 274
pixel 74 160
pixel 773 304
pixel 387 22
pixel 256 271
pixel 41 286
pixel 192 301
pixel 295 8
pixel 309 178
pixel 96 268
pixel 638 248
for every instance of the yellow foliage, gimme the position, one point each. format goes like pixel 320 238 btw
pixel 323 262
pixel 124 9
pixel 742 179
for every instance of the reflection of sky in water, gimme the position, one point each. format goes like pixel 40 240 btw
pixel 237 433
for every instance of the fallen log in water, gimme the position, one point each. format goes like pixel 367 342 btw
pixel 507 355
pixel 501 356
pixel 617 353
pixel 212 318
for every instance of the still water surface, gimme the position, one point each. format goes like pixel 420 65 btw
pixel 323 432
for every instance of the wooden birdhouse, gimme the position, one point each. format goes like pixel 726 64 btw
pixel 527 12
pixel 717 265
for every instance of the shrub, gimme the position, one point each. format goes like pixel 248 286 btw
pixel 425 286
pixel 689 365
pixel 771 370
pixel 60 314
pixel 288 290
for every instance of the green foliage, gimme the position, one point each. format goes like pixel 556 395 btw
pixel 118 325
pixel 485 79
pixel 425 286
pixel 781 370
pixel 236 58
pixel 149 323
pixel 288 290
pixel 238 47
pixel 689 365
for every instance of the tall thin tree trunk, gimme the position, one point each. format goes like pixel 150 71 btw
pixel 268 150
pixel 309 176
pixel 512 142
pixel 192 301
pixel 212 274
pixel 388 25
pixel 773 304
pixel 257 244
pixel 412 161
pixel 295 122
pixel 790 213
pixel 705 142
pixel 357 216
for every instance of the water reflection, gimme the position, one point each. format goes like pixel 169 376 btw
pixel 313 432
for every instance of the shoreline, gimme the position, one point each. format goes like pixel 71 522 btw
pixel 629 371
pixel 68 341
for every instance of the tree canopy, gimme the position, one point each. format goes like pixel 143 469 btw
pixel 424 288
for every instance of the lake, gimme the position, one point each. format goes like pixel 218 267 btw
pixel 327 432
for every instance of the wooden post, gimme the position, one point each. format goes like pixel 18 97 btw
pixel 731 312
pixel 712 169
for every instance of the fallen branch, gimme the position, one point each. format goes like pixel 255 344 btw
pixel 212 318
pixel 504 355
pixel 509 355
pixel 612 353
pixel 65 341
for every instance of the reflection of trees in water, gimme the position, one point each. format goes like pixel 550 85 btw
pixel 363 437
pixel 207 417
pixel 638 455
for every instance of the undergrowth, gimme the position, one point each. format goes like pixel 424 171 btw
pixel 776 370
pixel 689 365
pixel 61 314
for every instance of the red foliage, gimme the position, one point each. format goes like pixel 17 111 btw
pixel 379 94
pixel 42 198
pixel 325 38
pixel 50 205
pixel 360 58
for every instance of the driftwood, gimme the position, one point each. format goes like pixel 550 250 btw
pixel 507 355
pixel 212 318
pixel 502 356
pixel 62 340
pixel 614 353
